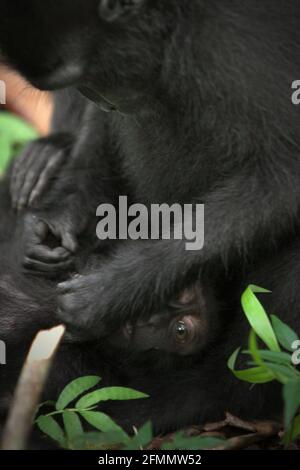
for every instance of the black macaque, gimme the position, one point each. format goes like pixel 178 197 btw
pixel 179 357
pixel 191 117
pixel 164 101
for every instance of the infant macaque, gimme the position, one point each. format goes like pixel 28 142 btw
pixel 185 329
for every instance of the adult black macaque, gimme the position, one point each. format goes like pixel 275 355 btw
pixel 190 102
pixel 196 118
pixel 199 94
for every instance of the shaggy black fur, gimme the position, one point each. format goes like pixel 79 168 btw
pixel 191 104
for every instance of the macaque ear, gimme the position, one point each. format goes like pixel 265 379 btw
pixel 112 10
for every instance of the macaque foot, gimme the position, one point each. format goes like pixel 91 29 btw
pixel 49 246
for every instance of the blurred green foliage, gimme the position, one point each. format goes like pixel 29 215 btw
pixel 14 134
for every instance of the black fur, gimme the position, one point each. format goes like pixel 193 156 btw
pixel 192 105
pixel 198 120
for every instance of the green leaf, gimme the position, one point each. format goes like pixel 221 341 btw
pixel 273 356
pixel 282 373
pixel 74 389
pixel 109 393
pixel 259 290
pixel 285 335
pixel 99 441
pixel 258 318
pixel 253 349
pixel 142 439
pixel 182 442
pixel 291 395
pixel 45 403
pixel 51 428
pixel 295 434
pixel 72 425
pixel 102 422
pixel 254 375
pixel 232 360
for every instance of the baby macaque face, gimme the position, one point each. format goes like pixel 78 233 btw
pixel 185 329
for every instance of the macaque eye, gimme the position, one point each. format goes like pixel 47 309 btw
pixel 184 330
pixel 181 331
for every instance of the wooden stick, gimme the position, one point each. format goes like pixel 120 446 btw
pixel 29 388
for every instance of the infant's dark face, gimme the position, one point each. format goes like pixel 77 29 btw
pixel 183 330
